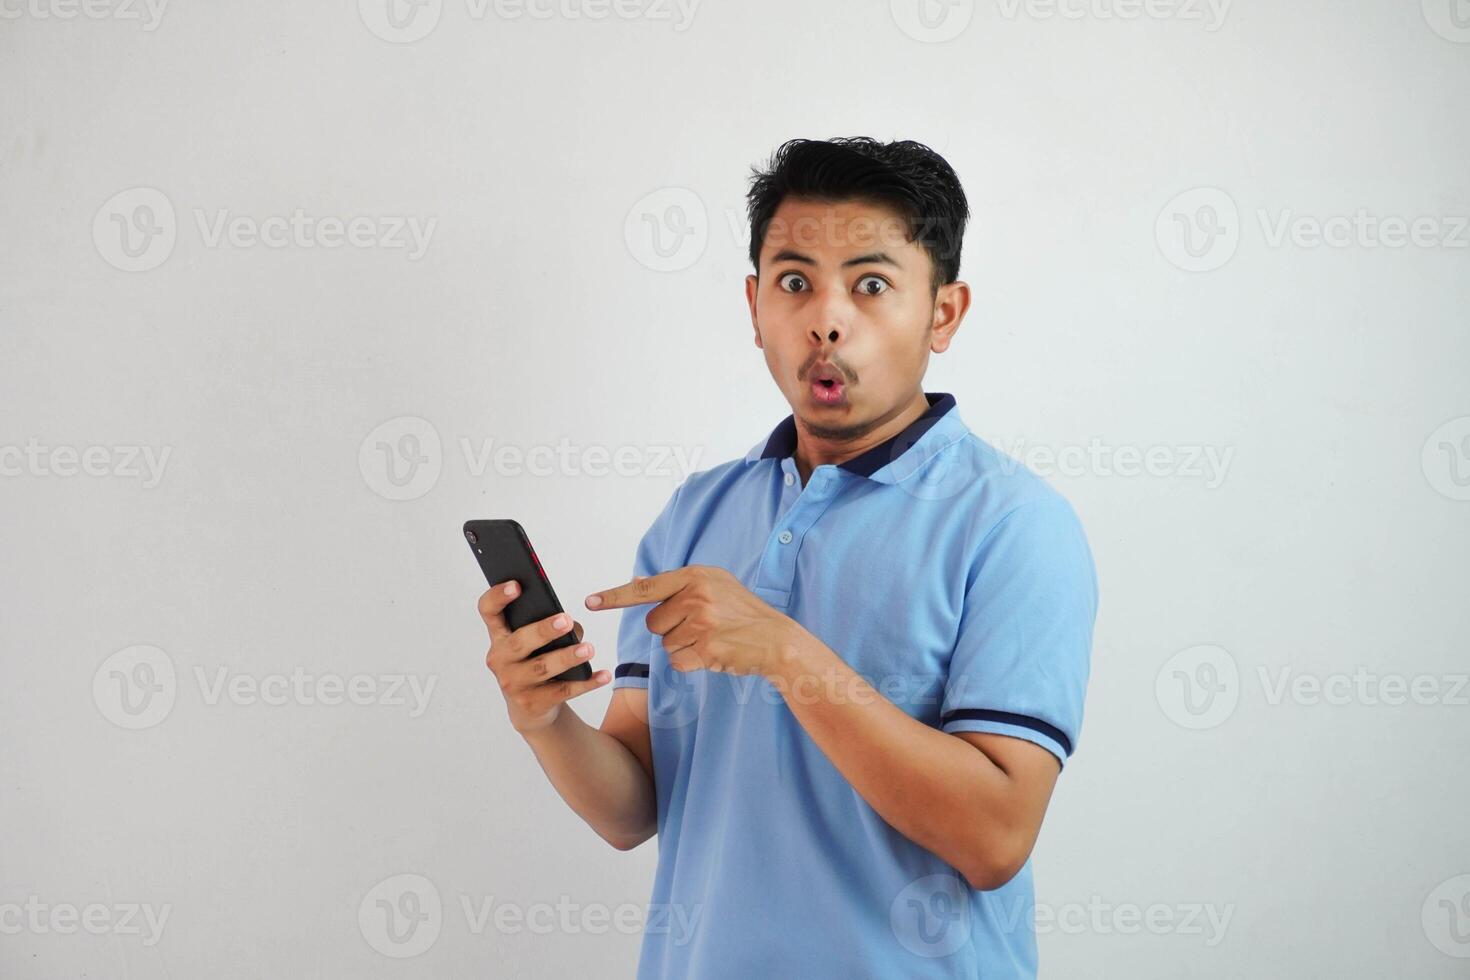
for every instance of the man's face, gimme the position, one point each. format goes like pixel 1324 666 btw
pixel 845 312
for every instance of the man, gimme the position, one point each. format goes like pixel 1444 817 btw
pixel 852 663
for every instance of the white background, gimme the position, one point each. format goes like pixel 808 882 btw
pixel 1332 835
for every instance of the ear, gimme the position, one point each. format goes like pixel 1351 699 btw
pixel 752 286
pixel 950 305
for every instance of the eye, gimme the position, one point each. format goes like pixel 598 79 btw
pixel 867 283
pixel 791 277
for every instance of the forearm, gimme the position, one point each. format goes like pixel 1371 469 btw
pixel 599 777
pixel 937 790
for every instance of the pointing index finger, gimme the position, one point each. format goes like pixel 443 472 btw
pixel 652 588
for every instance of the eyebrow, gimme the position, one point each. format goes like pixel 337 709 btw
pixel 787 255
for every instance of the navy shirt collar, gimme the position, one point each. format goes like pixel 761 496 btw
pixel 782 442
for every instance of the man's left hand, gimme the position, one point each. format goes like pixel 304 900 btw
pixel 709 620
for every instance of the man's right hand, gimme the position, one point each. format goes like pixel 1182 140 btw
pixel 532 697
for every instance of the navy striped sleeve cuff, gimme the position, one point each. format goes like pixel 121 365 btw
pixel 631 674
pixel 989 720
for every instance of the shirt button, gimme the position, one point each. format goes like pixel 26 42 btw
pixel 790 479
pixel 784 537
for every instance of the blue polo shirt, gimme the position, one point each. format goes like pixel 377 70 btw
pixel 961 586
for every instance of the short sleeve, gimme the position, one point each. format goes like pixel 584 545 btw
pixel 635 642
pixel 1021 662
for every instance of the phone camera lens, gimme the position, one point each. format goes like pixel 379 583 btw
pixel 471 536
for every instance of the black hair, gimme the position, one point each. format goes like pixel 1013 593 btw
pixel 906 176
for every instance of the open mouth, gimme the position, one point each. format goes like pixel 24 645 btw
pixel 828 391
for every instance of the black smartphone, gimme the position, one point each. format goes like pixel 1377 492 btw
pixel 504 552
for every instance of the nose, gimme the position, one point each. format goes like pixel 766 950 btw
pixel 833 317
